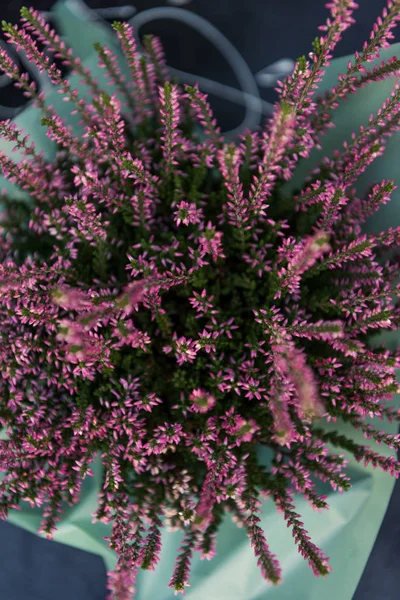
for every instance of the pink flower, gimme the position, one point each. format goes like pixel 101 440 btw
pixel 187 213
pixel 202 401
pixel 72 298
pixel 170 117
pixel 185 350
pixel 302 257
pixel 132 295
pixel 211 242
pixel 203 304
pixel 245 429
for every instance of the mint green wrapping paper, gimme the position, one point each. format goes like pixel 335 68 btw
pixel 347 531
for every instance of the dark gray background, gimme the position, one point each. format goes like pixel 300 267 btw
pixel 263 31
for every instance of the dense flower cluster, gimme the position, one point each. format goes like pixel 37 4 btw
pixel 163 302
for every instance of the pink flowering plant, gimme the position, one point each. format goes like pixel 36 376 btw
pixel 165 304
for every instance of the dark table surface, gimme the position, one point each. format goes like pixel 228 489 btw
pixel 264 32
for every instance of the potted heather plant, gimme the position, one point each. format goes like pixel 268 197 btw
pixel 169 307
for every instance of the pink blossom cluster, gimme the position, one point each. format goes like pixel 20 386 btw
pixel 164 306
